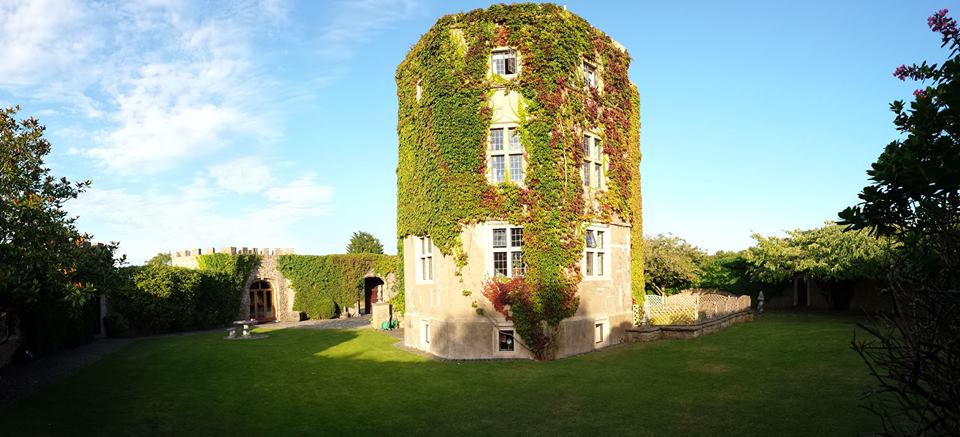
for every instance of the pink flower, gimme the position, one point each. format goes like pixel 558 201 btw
pixel 940 22
pixel 919 93
pixel 902 72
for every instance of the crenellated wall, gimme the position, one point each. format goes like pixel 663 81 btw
pixel 283 293
pixel 188 257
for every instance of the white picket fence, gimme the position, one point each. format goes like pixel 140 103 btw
pixel 688 307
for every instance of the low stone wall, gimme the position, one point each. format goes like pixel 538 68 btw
pixel 652 333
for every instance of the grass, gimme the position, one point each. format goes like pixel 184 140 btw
pixel 784 374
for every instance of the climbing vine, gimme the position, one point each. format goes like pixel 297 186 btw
pixel 326 284
pixel 239 267
pixel 443 122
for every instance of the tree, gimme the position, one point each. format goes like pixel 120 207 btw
pixel 670 263
pixel 914 196
pixel 828 255
pixel 364 242
pixel 728 271
pixel 161 259
pixel 45 264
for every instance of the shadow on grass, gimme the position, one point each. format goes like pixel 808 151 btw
pixel 748 380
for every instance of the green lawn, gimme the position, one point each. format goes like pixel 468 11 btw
pixel 783 374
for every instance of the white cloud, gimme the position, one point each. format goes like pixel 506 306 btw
pixel 168 81
pixel 32 39
pixel 242 175
pixel 301 198
pixel 197 215
pixel 357 21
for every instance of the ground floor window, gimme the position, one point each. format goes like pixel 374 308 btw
pixel 508 252
pixel 594 253
pixel 424 249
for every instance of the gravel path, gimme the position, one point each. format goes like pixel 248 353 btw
pixel 358 322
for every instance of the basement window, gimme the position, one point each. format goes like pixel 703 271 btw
pixel 505 340
pixel 598 329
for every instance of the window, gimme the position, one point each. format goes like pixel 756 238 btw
pixel 505 340
pixel 425 331
pixel 593 168
pixel 504 62
pixel 598 329
pixel 508 252
pixel 506 159
pixel 425 258
pixel 594 253
pixel 589 75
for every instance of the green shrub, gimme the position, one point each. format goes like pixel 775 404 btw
pixel 159 298
pixel 116 325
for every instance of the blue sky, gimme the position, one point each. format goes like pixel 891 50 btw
pixel 272 123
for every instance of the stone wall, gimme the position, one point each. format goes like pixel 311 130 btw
pixel 449 302
pixel 651 333
pixel 281 287
pixel 283 293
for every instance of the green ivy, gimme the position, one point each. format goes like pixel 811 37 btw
pixel 239 267
pixel 327 283
pixel 443 137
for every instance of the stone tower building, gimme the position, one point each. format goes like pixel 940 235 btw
pixel 519 209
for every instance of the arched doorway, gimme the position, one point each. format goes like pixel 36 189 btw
pixel 371 293
pixel 261 301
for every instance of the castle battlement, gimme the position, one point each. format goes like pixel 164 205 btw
pixel 188 257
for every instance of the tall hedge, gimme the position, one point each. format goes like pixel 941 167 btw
pixel 328 283
pixel 159 298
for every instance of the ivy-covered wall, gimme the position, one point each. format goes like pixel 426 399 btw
pixel 325 283
pixel 441 182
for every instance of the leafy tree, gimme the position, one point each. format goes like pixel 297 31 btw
pixel 46 265
pixel 161 259
pixel 834 258
pixel 670 263
pixel 914 196
pixel 728 271
pixel 364 242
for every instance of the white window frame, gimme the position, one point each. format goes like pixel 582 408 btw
pixel 509 149
pixel 505 51
pixel 509 250
pixel 596 260
pixel 593 160
pixel 496 339
pixel 425 334
pixel 604 340
pixel 425 268
pixel 590 75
